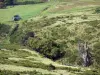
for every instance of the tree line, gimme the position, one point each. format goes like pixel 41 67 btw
pixel 4 3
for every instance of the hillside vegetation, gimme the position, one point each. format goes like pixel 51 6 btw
pixel 59 35
pixel 45 41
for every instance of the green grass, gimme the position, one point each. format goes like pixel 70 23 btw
pixel 25 11
pixel 65 30
pixel 29 11
pixel 8 72
pixel 29 62
pixel 64 27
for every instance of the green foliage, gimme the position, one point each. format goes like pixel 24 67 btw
pixel 97 10
pixel 54 39
pixel 79 61
pixel 9 2
pixel 49 48
pixel 70 58
pixel 90 30
pixel 27 63
pixel 2 5
pixel 5 56
pixel 89 72
pixel 96 54
pixel 97 45
pixel 52 67
pixel 84 17
pixel 70 69
pixel 27 1
pixel 4 29
pixel 94 23
pixel 16 37
pixel 8 72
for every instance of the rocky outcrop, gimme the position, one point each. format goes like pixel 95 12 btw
pixel 85 54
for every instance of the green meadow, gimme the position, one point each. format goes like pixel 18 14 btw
pixel 25 11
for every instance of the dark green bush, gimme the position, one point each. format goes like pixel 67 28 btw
pixel 97 45
pixel 52 67
pixel 96 54
pixel 4 29
pixel 94 23
pixel 49 48
pixel 90 30
pixel 97 10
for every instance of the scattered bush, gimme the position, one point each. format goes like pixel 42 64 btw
pixel 2 5
pixel 97 45
pixel 96 54
pixel 84 17
pixel 71 17
pixel 52 67
pixel 94 23
pixel 52 41
pixel 97 10
pixel 90 30
pixel 4 29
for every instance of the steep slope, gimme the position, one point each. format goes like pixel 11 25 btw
pixel 54 33
pixel 21 61
pixel 57 36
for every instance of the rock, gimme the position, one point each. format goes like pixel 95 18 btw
pixel 16 18
pixel 85 54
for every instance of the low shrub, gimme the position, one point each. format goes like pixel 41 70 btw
pixel 84 17
pixel 51 67
pixel 4 29
pixel 97 10
pixel 96 54
pixel 97 45
pixel 90 30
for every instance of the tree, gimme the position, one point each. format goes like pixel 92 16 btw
pixel 45 0
pixel 9 2
pixel 2 4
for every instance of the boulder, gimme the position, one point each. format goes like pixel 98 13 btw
pixel 16 18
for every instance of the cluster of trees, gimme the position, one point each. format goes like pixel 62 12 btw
pixel 2 3
pixel 9 2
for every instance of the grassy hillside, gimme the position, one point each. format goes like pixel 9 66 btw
pixel 17 60
pixel 45 42
pixel 52 7
pixel 63 30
